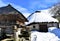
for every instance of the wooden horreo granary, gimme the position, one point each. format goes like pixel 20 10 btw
pixel 10 19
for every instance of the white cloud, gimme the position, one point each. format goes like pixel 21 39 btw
pixel 2 3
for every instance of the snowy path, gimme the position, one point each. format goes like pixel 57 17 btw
pixel 38 36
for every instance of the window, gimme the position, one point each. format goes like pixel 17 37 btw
pixel 33 26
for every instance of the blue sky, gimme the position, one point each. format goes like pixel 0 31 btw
pixel 29 6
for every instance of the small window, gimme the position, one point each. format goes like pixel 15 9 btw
pixel 33 29
pixel 33 26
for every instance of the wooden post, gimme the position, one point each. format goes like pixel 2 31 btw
pixel 15 34
pixel 58 25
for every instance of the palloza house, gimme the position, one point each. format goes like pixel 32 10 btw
pixel 10 20
pixel 41 21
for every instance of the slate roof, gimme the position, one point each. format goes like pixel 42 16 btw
pixel 9 9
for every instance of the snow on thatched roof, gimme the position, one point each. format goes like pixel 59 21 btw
pixel 41 16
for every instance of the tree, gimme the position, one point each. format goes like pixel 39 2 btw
pixel 55 10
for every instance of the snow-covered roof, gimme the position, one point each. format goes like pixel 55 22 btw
pixel 41 17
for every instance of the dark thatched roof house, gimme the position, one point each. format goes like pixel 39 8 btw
pixel 41 21
pixel 10 17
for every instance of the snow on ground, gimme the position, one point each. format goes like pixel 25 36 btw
pixel 54 30
pixel 41 36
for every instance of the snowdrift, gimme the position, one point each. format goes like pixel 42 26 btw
pixel 40 36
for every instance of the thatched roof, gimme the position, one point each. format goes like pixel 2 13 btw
pixel 39 17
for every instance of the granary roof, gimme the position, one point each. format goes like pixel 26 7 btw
pixel 41 16
pixel 9 9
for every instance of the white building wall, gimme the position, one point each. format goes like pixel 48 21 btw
pixel 59 25
pixel 36 26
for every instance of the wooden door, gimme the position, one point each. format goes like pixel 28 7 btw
pixel 43 28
